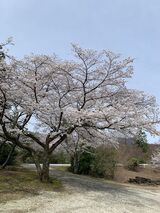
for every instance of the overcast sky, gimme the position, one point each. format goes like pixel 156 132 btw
pixel 129 27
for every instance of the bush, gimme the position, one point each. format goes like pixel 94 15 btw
pixel 86 160
pixel 142 161
pixel 133 164
pixel 99 162
pixel 81 161
pixel 104 163
pixel 59 157
pixel 4 152
pixel 25 157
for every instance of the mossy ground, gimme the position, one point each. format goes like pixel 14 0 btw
pixel 17 182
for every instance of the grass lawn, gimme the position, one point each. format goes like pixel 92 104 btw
pixel 17 182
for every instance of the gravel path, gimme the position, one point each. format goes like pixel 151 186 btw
pixel 87 195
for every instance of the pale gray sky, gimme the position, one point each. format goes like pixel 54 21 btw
pixel 129 27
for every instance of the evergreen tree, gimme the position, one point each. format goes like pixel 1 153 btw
pixel 141 141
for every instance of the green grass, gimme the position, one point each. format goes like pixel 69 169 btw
pixel 17 182
pixel 60 168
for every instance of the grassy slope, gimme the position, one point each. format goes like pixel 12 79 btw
pixel 16 183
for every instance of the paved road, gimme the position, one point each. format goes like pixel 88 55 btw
pixel 99 196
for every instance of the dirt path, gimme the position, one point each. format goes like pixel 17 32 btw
pixel 87 195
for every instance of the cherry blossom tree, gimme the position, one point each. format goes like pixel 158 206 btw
pixel 45 99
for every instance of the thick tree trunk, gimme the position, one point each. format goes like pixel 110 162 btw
pixel 37 164
pixel 45 170
pixel 42 171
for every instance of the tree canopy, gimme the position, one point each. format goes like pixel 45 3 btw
pixel 44 99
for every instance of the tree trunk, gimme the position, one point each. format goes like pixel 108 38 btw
pixel 44 174
pixel 37 164
pixel 75 164
pixel 45 171
pixel 42 171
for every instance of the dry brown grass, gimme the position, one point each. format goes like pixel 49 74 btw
pixel 16 183
pixel 128 151
pixel 122 174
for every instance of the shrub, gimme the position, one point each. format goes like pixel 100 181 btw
pixel 59 157
pixel 133 164
pixel 81 161
pixel 104 163
pixel 86 160
pixel 99 162
pixel 4 152
pixel 142 161
pixel 24 156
